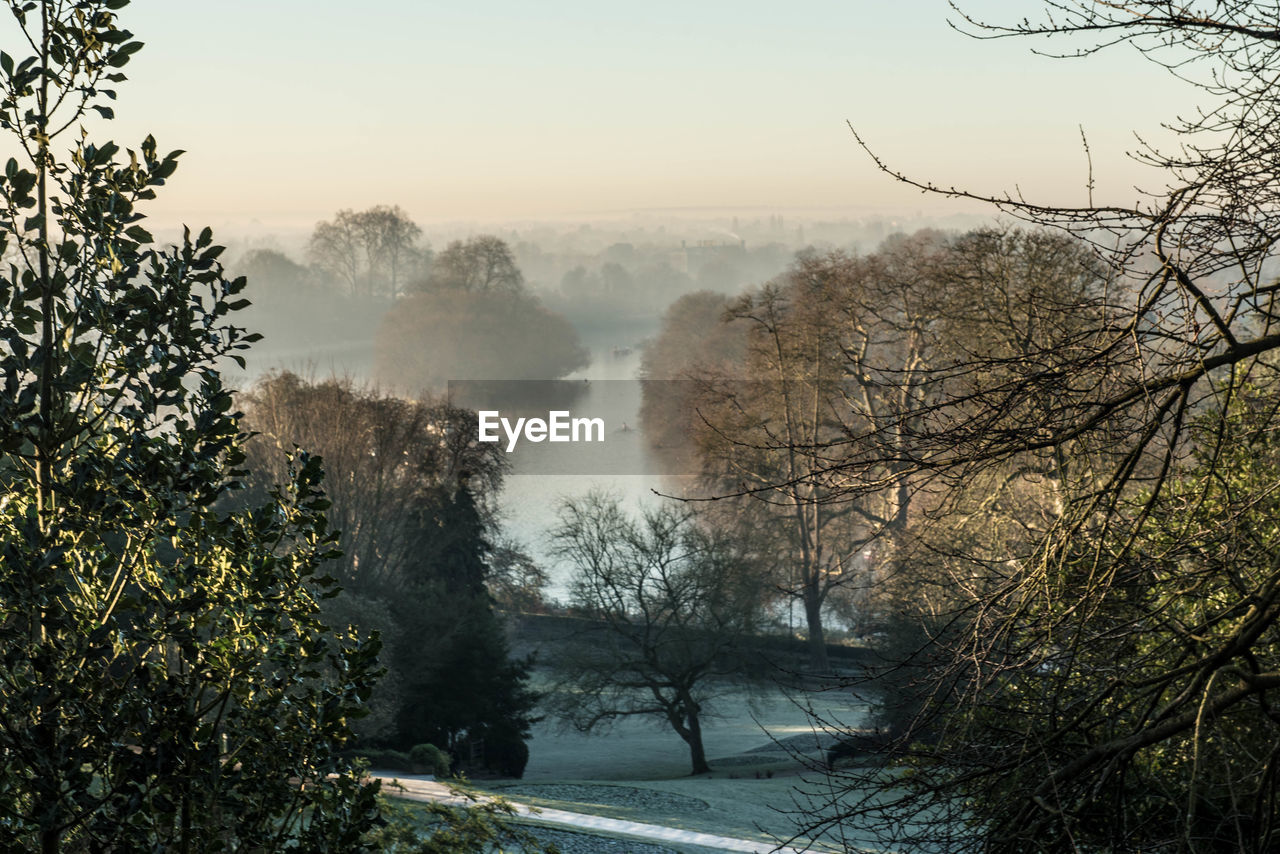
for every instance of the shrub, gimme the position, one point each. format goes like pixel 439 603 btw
pixel 429 759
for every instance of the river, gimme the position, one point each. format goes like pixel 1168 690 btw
pixel 531 496
pixel 530 500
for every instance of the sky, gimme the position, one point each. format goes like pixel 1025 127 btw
pixel 576 109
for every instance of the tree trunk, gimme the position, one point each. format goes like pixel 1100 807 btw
pixel 817 639
pixel 693 737
pixel 682 712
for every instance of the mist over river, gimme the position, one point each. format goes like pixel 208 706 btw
pixel 533 491
pixel 530 499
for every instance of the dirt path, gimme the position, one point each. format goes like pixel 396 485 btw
pixel 427 789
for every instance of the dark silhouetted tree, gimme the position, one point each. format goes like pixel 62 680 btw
pixel 413 501
pixel 470 697
pixel 677 607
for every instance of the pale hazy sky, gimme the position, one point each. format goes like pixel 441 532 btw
pixel 511 109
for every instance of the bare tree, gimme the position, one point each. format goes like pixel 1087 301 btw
pixel 676 606
pixel 482 264
pixel 379 453
pixel 841 347
pixel 756 437
pixel 335 246
pixel 367 250
pixel 390 238
pixel 1112 689
pixel 762 434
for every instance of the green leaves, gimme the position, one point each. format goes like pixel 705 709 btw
pixel 121 55
pixel 167 680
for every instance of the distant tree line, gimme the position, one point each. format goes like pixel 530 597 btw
pixel 630 281
pixel 473 318
pixel 465 313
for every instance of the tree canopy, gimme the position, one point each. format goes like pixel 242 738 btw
pixel 372 251
pixel 474 320
pixel 482 264
pixel 413 500
pixel 790 376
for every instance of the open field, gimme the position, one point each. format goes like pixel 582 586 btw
pixel 639 771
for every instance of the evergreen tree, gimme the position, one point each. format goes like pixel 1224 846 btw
pixel 165 680
pixel 471 698
pixel 411 494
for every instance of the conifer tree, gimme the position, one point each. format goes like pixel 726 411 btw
pixel 472 698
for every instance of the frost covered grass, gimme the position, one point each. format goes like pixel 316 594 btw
pixel 639 770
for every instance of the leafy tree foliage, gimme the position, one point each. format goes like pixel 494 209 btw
pixel 167 683
pixel 1183 756
pixel 471 698
pixel 472 827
